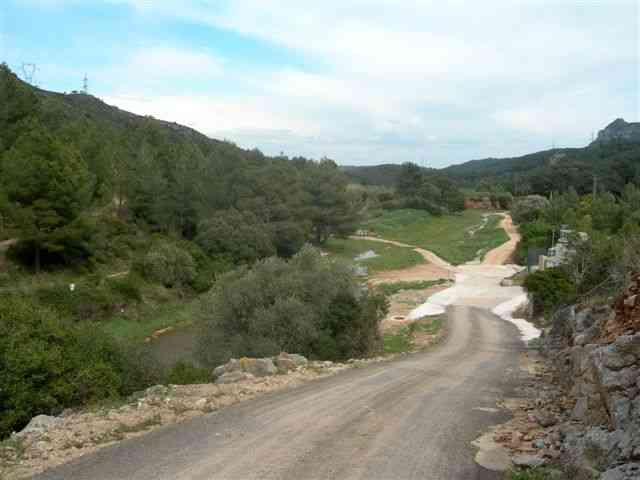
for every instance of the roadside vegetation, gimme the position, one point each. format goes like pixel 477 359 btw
pixel 388 257
pixel 309 305
pixel 451 237
pixel 403 338
pixel 604 243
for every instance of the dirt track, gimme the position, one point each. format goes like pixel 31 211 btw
pixel 502 254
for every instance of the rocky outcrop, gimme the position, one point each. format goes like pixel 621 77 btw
pixel 596 357
pixel 620 131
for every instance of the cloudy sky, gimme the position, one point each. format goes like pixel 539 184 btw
pixel 363 82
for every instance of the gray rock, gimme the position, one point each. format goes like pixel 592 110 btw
pixel 546 420
pixel 286 362
pixel 630 471
pixel 157 390
pixel 629 344
pixel 218 371
pixel 616 358
pixel 232 377
pixel 261 367
pixel 618 380
pixel 620 408
pixel 38 425
pixel 527 461
pixel 233 365
pixel 300 360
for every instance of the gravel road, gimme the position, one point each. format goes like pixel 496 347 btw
pixel 405 419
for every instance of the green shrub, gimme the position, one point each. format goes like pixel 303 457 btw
pixel 127 287
pixel 47 364
pixel 308 305
pixel 168 265
pixel 185 373
pixel 85 302
pixel 549 289
pixel 241 236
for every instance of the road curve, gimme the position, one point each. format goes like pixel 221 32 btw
pixel 405 419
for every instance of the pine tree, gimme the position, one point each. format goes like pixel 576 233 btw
pixel 47 185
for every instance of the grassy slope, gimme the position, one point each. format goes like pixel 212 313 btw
pixel 153 318
pixel 390 257
pixel 447 236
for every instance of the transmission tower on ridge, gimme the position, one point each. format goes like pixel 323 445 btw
pixel 85 85
pixel 29 72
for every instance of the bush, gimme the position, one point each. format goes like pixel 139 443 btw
pixel 126 287
pixel 86 302
pixel 47 364
pixel 185 373
pixel 549 289
pixel 527 209
pixel 168 265
pixel 308 305
pixel 241 236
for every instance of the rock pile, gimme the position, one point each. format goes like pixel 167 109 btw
pixel 236 370
pixel 596 357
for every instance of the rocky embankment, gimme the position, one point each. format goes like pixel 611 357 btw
pixel 50 441
pixel 590 394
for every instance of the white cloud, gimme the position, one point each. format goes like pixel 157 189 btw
pixel 168 62
pixel 406 80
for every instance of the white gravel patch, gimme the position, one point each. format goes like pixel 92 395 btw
pixel 505 310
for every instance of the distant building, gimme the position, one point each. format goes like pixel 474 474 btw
pixel 561 252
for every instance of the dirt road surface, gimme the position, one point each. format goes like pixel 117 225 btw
pixel 502 254
pixel 405 419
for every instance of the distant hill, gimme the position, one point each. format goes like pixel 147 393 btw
pixel 619 130
pixel 613 158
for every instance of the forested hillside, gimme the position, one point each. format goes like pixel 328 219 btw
pixel 113 226
pixel 613 159
pixel 67 159
pixel 614 164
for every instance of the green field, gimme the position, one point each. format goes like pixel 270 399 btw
pixel 448 236
pixel 150 320
pixel 390 257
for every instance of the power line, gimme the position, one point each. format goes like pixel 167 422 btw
pixel 29 71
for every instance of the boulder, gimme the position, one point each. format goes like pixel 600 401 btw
pixel 524 460
pixel 218 371
pixel 232 377
pixel 616 358
pixel 630 471
pixel 546 420
pixel 286 362
pixel 38 425
pixel 259 367
pixel 629 344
